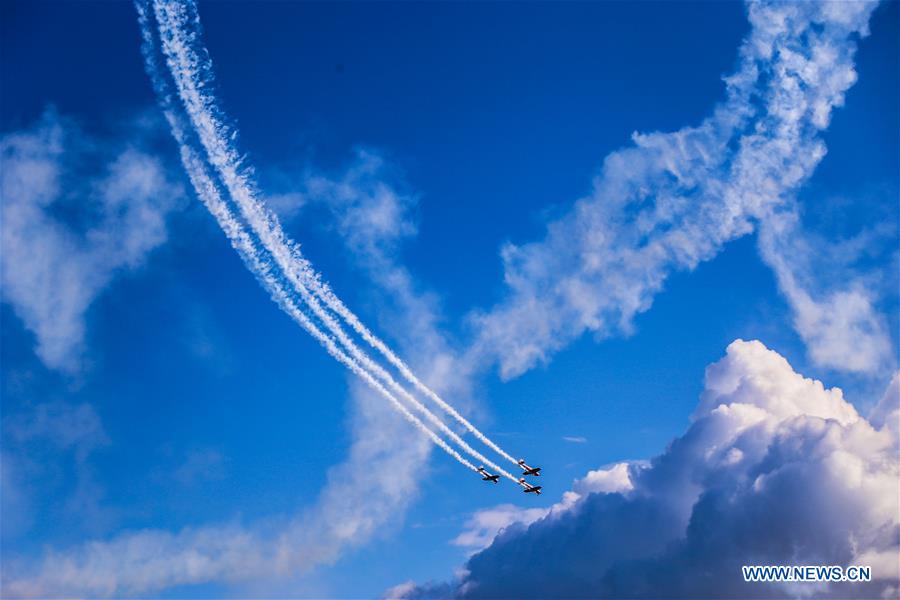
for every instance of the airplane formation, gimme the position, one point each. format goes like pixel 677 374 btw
pixel 526 470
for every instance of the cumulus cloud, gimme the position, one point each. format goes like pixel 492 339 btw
pixel 672 200
pixel 76 210
pixel 483 526
pixel 775 468
pixel 615 478
pixel 401 590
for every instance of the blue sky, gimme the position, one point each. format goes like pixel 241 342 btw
pixel 191 401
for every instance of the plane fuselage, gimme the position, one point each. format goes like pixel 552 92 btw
pixel 529 489
pixel 526 470
pixel 485 476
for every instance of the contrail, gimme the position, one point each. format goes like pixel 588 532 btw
pixel 183 63
pixel 243 244
pixel 188 71
pixel 192 74
pixel 335 303
pixel 182 75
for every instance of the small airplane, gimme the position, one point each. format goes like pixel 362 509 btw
pixel 526 470
pixel 536 489
pixel 485 476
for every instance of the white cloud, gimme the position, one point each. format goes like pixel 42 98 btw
pixel 400 590
pixel 575 439
pixel 839 323
pixel 887 412
pixel 380 478
pixel 371 216
pixel 672 200
pixel 36 441
pixel 363 494
pixel 62 425
pixel 75 211
pixel 615 478
pixel 199 465
pixel 484 525
pixel 751 372
pixel 668 203
pixel 774 469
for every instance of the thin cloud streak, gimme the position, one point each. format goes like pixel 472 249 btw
pixel 575 439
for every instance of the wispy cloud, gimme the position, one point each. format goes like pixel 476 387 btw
pixel 672 200
pixel 575 439
pixel 484 525
pixel 200 464
pixel 116 197
pixel 382 474
pixel 834 307
pixel 371 216
pixel 38 438
pixel 363 495
pixel 774 469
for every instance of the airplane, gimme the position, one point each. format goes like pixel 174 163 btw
pixel 487 476
pixel 536 471
pixel 530 488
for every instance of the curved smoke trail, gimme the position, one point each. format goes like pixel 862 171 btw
pixel 244 244
pixel 191 57
pixel 192 74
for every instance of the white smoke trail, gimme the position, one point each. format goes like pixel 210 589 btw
pixel 338 306
pixel 191 74
pixel 264 222
pixel 243 244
